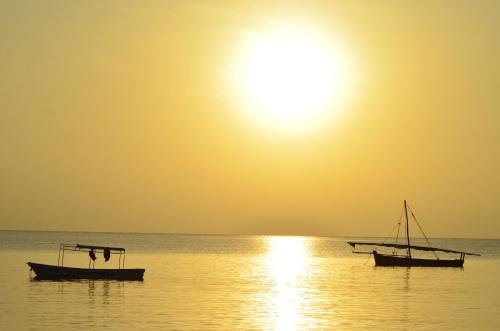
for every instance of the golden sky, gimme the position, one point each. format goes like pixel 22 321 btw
pixel 124 116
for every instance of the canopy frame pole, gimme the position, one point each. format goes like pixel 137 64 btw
pixel 407 232
pixel 62 258
pixel 59 256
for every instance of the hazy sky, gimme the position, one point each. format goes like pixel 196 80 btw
pixel 117 116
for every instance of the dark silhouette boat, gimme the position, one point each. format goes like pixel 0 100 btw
pixel 60 272
pixel 407 260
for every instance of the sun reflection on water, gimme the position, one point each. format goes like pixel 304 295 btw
pixel 287 263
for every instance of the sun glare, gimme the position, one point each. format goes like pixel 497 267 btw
pixel 288 266
pixel 291 79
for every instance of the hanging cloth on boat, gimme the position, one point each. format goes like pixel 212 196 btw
pixel 107 254
pixel 92 255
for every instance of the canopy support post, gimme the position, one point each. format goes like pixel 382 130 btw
pixel 407 232
pixel 59 256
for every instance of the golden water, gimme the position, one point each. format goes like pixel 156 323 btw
pixel 246 283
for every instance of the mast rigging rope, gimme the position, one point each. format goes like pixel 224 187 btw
pixel 421 230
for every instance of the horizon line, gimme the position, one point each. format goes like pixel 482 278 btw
pixel 235 234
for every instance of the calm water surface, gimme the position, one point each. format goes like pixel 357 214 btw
pixel 197 282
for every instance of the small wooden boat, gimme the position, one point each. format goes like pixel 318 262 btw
pixel 407 260
pixel 60 272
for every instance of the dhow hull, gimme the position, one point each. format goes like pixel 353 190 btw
pixel 382 260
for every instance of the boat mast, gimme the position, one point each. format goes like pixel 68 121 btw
pixel 407 231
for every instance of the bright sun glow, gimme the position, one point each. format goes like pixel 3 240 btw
pixel 291 79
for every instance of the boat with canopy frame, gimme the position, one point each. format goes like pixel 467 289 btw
pixel 60 272
pixel 407 260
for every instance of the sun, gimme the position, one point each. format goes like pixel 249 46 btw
pixel 291 79
pixel 289 76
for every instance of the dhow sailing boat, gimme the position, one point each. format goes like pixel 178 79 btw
pixel 406 260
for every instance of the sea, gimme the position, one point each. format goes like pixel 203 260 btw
pixel 237 282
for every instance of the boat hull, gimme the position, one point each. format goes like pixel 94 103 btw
pixel 52 272
pixel 382 260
